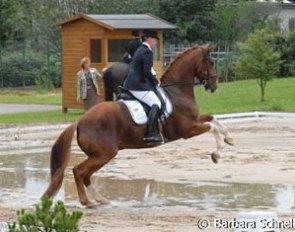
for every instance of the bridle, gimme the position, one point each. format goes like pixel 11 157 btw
pixel 203 80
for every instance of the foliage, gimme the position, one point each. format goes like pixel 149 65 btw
pixel 233 20
pixel 17 71
pixel 258 59
pixel 6 17
pixel 48 218
pixel 292 24
pixel 192 18
pixel 43 84
pixel 225 69
pixel 285 44
pixel 229 19
pixel 29 24
pixel 23 62
pixel 26 28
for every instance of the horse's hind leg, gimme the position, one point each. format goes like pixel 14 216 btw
pixel 207 120
pixel 219 126
pixel 223 129
pixel 95 194
pixel 83 171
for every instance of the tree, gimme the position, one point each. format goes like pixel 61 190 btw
pixel 233 20
pixel 228 19
pixel 6 16
pixel 258 59
pixel 7 12
pixel 192 18
pixel 285 44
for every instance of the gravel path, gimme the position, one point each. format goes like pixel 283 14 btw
pixel 23 108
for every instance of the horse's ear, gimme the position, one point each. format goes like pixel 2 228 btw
pixel 209 47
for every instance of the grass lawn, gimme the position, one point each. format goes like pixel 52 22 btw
pixel 239 96
pixel 244 96
pixel 31 97
pixel 41 117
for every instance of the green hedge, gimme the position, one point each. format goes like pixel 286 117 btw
pixel 17 71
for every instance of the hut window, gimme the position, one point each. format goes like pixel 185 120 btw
pixel 116 49
pixel 95 48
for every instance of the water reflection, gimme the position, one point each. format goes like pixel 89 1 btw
pixel 23 178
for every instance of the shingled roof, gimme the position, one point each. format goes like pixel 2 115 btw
pixel 124 21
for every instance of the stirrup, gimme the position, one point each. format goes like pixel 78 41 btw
pixel 153 140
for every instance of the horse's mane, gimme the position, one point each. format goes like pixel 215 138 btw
pixel 178 57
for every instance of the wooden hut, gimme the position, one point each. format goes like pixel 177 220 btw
pixel 103 38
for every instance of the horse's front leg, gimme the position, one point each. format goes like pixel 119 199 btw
pixel 200 128
pixel 220 127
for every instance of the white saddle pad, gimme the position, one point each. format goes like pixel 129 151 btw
pixel 137 111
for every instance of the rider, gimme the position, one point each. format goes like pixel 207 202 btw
pixel 133 45
pixel 142 82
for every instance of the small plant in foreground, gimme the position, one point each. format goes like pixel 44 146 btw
pixel 47 218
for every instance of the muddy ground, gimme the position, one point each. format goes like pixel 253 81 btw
pixel 264 153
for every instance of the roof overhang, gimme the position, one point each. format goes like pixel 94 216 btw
pixel 82 16
pixel 112 22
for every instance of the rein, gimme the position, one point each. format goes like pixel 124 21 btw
pixel 203 81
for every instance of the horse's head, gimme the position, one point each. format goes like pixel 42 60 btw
pixel 189 65
pixel 205 71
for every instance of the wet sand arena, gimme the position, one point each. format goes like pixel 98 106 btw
pixel 163 189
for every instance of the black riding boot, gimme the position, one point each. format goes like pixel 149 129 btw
pixel 152 136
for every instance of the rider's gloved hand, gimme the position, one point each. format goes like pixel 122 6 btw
pixel 156 81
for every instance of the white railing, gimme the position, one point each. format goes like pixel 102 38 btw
pixel 256 115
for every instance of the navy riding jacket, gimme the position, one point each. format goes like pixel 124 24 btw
pixel 140 75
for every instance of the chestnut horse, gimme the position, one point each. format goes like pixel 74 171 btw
pixel 108 127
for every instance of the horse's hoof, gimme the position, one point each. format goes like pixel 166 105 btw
pixel 229 141
pixel 91 205
pixel 215 157
pixel 102 200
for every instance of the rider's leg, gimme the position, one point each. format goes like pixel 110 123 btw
pixel 152 136
pixel 152 100
pixel 148 97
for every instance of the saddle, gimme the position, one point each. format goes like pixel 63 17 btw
pixel 139 110
pixel 125 95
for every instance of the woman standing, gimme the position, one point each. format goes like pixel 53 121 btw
pixel 87 86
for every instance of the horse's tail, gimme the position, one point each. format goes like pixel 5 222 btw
pixel 108 84
pixel 107 73
pixel 60 155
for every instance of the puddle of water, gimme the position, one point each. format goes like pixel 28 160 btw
pixel 23 179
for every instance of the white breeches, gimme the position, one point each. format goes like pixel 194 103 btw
pixel 148 97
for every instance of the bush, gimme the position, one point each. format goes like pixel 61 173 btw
pixel 47 218
pixel 225 70
pixel 285 44
pixel 16 71
pixel 19 70
pixel 43 84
